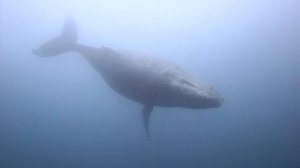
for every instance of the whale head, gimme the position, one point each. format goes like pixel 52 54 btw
pixel 196 94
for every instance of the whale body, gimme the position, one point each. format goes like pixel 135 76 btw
pixel 146 80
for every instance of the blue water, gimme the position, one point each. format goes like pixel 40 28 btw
pixel 58 112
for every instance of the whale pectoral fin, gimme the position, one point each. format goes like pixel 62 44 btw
pixel 146 118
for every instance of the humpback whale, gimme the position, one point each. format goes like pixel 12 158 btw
pixel 146 80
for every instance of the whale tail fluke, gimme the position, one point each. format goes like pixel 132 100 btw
pixel 65 42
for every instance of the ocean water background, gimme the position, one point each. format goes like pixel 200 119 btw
pixel 58 112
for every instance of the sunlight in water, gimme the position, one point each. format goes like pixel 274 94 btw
pixel 159 13
pixel 152 14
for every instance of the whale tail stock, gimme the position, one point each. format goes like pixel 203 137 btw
pixel 61 44
pixel 67 41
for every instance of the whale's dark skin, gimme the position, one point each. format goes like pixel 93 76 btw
pixel 148 81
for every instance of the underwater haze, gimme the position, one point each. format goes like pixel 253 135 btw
pixel 58 112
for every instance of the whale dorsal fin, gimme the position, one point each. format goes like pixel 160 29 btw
pixel 146 118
